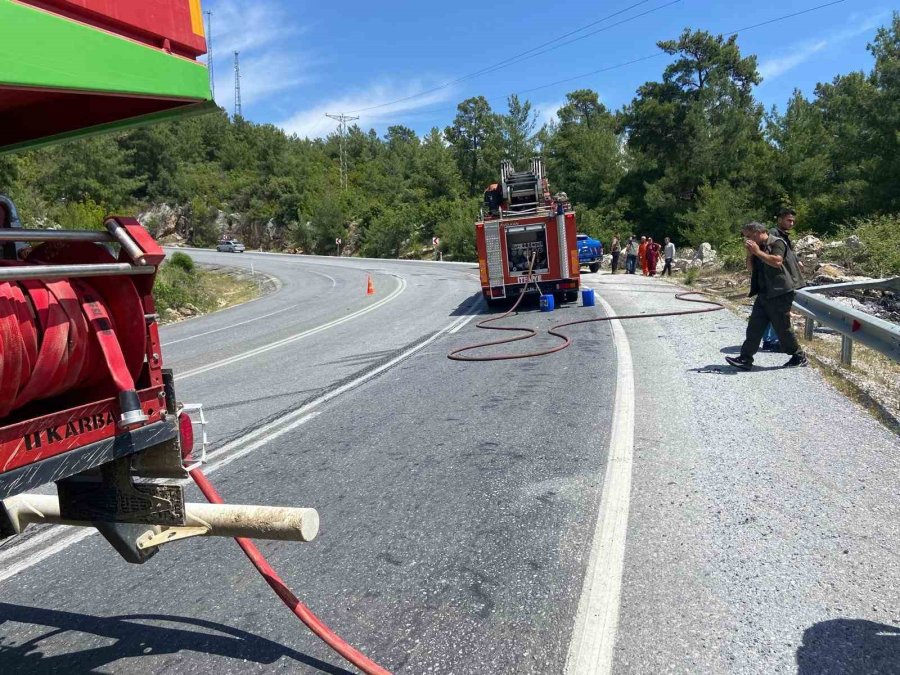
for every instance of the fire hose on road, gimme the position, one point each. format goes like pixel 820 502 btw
pixel 528 333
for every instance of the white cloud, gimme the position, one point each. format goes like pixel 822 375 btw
pixel 265 36
pixel 546 112
pixel 312 122
pixel 773 67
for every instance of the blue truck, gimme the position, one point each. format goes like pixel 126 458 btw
pixel 590 252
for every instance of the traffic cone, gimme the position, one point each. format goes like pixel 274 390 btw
pixel 370 286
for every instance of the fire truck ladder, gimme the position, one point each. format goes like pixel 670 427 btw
pixel 524 191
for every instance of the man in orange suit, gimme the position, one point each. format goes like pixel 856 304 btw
pixel 642 256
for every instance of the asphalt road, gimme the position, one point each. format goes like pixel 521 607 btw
pixel 757 513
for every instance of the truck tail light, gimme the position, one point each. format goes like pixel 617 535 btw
pixel 191 429
pixel 186 434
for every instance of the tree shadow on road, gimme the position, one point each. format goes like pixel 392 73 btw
pixel 849 647
pixel 130 636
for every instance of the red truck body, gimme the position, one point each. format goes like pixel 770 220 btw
pixel 522 224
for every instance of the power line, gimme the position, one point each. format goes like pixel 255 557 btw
pixel 537 50
pixel 342 120
pixel 786 16
pixel 209 54
pixel 652 56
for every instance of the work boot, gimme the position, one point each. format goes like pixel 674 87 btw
pixel 797 360
pixel 740 362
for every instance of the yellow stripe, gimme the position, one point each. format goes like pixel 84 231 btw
pixel 196 17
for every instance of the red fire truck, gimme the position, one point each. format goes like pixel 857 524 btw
pixel 522 226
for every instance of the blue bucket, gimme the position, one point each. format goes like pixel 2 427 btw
pixel 547 304
pixel 587 297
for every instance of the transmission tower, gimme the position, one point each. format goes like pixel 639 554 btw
pixel 209 54
pixel 237 86
pixel 342 120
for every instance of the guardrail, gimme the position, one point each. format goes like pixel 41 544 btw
pixel 853 325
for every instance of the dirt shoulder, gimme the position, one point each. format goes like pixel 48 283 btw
pixel 183 294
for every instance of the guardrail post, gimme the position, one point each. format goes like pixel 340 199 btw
pixel 808 328
pixel 846 351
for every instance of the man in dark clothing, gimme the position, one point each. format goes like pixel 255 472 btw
pixel 786 219
pixel 774 278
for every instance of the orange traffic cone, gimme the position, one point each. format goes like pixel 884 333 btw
pixel 370 287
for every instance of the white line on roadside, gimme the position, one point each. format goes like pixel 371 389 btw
pixel 229 327
pixel 45 553
pixel 240 447
pixel 293 338
pixel 458 326
pixel 594 635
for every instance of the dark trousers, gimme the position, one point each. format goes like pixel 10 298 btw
pixel 667 268
pixel 615 261
pixel 630 263
pixel 776 311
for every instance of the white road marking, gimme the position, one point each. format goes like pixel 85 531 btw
pixel 594 635
pixel 229 327
pixel 240 447
pixel 32 560
pixel 258 443
pixel 459 325
pixel 293 338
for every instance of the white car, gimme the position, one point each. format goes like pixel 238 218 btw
pixel 230 246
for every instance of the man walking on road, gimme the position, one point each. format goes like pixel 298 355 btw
pixel 774 278
pixel 668 256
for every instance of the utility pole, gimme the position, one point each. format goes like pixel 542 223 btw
pixel 209 54
pixel 342 120
pixel 237 86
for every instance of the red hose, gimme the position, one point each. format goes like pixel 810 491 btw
pixel 455 355
pixel 55 336
pixel 332 639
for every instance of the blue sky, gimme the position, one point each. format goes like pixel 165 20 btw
pixel 301 59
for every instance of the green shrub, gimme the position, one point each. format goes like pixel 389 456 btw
pixel 691 274
pixel 878 253
pixel 182 261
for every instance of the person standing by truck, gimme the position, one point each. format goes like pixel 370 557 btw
pixel 614 251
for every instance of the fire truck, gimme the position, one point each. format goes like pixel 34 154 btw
pixel 526 237
pixel 86 402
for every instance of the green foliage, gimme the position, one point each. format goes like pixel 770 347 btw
pixel 83 215
pixel 719 213
pixel 182 261
pixel 878 252
pixel 691 274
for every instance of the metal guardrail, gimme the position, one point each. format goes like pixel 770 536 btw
pixel 853 325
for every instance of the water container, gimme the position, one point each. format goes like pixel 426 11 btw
pixel 547 303
pixel 587 297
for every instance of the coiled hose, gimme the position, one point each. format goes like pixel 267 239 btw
pixel 56 336
pixel 528 333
